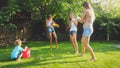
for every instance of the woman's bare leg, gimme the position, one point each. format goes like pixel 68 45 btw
pixel 50 36
pixel 88 47
pixel 56 40
pixel 83 46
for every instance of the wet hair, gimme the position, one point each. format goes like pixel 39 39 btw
pixel 69 15
pixel 49 16
pixel 70 18
pixel 86 5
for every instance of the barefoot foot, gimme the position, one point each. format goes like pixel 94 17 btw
pixel 80 55
pixel 76 52
pixel 92 59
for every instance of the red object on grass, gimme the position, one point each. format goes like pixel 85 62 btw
pixel 26 54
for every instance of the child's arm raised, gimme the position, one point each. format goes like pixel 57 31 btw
pixel 75 22
pixel 25 48
pixel 82 20
pixel 68 25
pixel 55 24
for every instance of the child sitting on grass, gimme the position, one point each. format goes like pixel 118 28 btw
pixel 17 51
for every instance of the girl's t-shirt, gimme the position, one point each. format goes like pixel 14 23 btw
pixel 50 23
pixel 16 52
pixel 73 26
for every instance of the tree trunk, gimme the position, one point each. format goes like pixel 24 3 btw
pixel 42 12
pixel 108 33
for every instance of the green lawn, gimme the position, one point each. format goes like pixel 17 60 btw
pixel 108 56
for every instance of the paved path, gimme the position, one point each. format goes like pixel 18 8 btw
pixel 118 45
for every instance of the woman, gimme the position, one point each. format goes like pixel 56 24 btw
pixel 51 30
pixel 73 32
pixel 87 19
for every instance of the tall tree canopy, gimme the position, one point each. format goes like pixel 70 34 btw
pixel 107 11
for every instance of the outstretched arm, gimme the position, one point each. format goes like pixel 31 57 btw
pixel 25 48
pixel 55 24
pixel 75 22
pixel 82 20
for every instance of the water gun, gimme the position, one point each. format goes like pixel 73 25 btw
pixel 55 25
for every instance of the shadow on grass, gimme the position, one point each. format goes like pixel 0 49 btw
pixel 45 52
pixel 36 63
pixel 102 46
pixel 6 60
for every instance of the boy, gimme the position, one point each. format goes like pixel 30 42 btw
pixel 17 51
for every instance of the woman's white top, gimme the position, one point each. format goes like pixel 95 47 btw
pixel 72 25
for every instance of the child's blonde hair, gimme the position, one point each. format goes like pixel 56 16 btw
pixel 18 42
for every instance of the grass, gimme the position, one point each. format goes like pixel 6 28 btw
pixel 108 56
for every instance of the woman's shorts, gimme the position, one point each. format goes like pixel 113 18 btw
pixel 87 31
pixel 73 32
pixel 51 29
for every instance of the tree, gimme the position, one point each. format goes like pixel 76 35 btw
pixel 107 12
pixel 39 10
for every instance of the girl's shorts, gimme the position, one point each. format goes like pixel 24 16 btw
pixel 73 32
pixel 50 29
